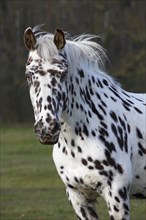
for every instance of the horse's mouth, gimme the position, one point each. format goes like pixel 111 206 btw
pixel 49 140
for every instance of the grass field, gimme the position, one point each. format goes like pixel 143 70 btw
pixel 30 186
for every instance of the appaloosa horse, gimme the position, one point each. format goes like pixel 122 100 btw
pixel 97 128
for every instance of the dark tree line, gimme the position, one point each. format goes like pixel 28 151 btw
pixel 121 23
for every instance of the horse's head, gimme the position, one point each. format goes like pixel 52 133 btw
pixel 46 73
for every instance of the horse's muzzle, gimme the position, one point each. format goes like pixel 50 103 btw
pixel 48 134
pixel 49 140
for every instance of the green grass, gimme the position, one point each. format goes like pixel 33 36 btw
pixel 30 186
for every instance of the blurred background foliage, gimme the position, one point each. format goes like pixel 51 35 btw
pixel 121 24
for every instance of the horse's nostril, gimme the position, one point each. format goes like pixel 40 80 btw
pixel 55 127
pixel 38 126
pixel 36 129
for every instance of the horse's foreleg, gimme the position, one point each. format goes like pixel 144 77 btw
pixel 84 209
pixel 118 204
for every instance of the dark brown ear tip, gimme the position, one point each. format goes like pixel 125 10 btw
pixel 29 28
pixel 59 31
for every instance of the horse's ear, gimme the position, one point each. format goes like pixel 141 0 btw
pixel 59 39
pixel 29 39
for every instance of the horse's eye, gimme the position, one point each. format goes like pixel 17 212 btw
pixel 28 63
pixel 29 78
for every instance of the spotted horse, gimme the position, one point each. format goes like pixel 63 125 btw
pixel 96 127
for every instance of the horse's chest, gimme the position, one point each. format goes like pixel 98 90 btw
pixel 76 176
pixel 73 155
pixel 81 170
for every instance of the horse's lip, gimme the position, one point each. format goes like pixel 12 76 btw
pixel 49 140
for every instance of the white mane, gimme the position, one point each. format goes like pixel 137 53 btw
pixel 80 50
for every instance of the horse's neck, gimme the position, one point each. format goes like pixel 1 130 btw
pixel 83 87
